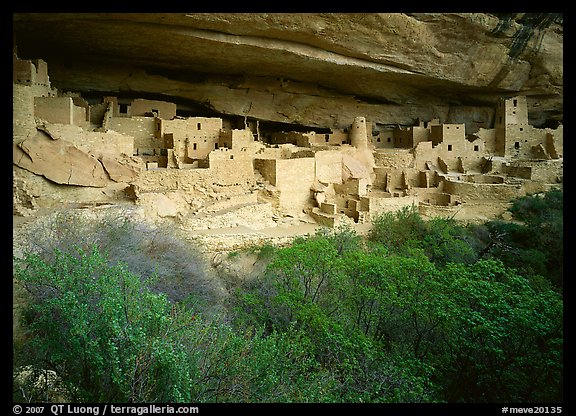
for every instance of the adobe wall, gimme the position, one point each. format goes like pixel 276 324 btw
pixel 194 137
pixel 292 137
pixel 267 168
pixel 447 133
pixel 54 109
pixel 511 111
pixel 381 173
pixel 62 110
pixel 97 112
pixel 32 73
pixel 238 139
pixel 379 204
pixel 110 143
pixel 453 154
pixel 141 128
pixel 79 116
pixel 397 158
pixel 255 216
pixel 206 182
pixel 458 155
pixel 431 196
pixel 117 109
pixel 163 109
pixel 356 187
pixel 409 137
pixel 555 142
pixel 550 171
pixel 397 181
pixel 24 72
pixel 521 140
pixel 472 192
pixel 23 123
pixel 488 136
pixel 335 138
pixel 294 178
pixel 230 170
pixel 384 139
pixel 328 166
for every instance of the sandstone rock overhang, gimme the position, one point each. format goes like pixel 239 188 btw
pixel 310 68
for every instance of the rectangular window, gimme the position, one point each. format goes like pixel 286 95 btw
pixel 123 108
pixel 449 147
pixel 195 146
pixel 515 103
pixel 517 145
pixel 327 138
pixel 475 148
pixel 199 126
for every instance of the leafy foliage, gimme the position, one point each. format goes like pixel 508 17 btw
pixel 101 331
pixel 536 245
pixel 421 311
pixel 109 338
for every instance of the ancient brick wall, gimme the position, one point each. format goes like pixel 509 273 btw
pixel 54 109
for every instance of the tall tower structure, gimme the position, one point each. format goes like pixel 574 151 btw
pixel 511 125
pixel 359 133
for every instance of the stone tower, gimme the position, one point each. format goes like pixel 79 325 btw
pixel 358 133
pixel 511 124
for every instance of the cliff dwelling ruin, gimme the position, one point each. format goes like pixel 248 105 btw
pixel 226 172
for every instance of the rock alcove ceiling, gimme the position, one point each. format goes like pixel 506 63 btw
pixel 318 70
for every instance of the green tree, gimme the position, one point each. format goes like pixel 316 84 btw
pixel 446 241
pixel 107 337
pixel 535 245
pixel 102 331
pixel 398 230
pixel 313 289
pixel 503 339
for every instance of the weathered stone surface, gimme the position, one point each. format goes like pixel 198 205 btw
pixel 353 168
pixel 169 204
pixel 119 172
pixel 59 161
pixel 316 69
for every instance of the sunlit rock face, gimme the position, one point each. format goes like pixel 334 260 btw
pixel 319 69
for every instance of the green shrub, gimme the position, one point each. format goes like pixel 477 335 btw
pixel 102 331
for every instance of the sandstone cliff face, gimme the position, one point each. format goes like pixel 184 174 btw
pixel 319 69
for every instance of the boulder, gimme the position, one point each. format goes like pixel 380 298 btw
pixel 59 161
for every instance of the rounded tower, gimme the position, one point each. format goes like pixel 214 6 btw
pixel 358 133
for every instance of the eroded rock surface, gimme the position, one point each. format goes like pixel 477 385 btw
pixel 316 69
pixel 59 161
